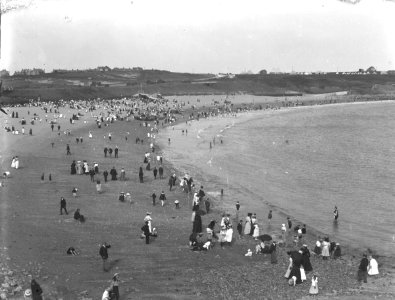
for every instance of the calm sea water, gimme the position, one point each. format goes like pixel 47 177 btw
pixel 303 162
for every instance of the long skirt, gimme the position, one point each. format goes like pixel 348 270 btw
pixel 313 290
pixel 302 274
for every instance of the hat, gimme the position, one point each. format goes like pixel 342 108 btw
pixel 127 194
pixel 337 244
pixel 148 213
pixel 115 275
pixel 304 245
pixel 28 293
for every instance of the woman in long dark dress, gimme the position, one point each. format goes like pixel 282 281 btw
pixel 197 223
pixel 306 259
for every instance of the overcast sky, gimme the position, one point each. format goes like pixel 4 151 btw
pixel 207 36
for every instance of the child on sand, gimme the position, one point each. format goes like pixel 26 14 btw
pixel 314 285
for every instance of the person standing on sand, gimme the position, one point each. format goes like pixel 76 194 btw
pixel 240 228
pixel 207 204
pixel 162 198
pixel 105 151
pixel 161 172
pixel 273 253
pixel 289 222
pixel 105 174
pixel 373 268
pixel 115 286
pixel 146 232
pixel 270 216
pixel 103 251
pixel 116 151
pixel 247 226
pixel 153 198
pixel 141 175
pixel 113 173
pixel 237 206
pixel 363 269
pixel 155 172
pixel 63 206
pixel 335 214
pixel 325 248
pixel 98 187
pixel 314 285
pixel 68 149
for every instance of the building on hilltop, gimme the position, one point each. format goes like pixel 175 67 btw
pixel 29 72
pixel 103 69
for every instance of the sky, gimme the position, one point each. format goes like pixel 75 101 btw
pixel 200 36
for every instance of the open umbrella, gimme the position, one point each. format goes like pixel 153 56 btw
pixel 265 237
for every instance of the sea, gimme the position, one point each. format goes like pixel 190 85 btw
pixel 300 162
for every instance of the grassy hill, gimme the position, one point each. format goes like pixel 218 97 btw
pixel 126 82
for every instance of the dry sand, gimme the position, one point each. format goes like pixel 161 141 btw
pixel 34 237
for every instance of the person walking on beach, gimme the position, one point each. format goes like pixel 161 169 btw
pixel 363 269
pixel 161 172
pixel 170 182
pixel 155 172
pixel 110 151
pixel 335 214
pixel 162 198
pixel 103 251
pixel 105 174
pixel 153 198
pixel 237 206
pixel 105 151
pixel 63 206
pixel 141 175
pixel 68 149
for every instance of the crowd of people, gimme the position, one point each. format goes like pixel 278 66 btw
pixel 201 238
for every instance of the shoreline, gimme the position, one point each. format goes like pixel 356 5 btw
pixel 216 260
pixel 281 211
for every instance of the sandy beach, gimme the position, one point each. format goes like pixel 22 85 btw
pixel 34 237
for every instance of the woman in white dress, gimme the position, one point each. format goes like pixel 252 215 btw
pixel 325 248
pixel 256 231
pixel 16 162
pixel 373 268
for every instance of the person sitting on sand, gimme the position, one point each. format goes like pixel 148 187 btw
pixel 78 216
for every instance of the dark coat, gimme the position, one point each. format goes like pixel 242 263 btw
pixel 36 290
pixel 197 224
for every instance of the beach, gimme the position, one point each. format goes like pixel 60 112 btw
pixel 35 237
